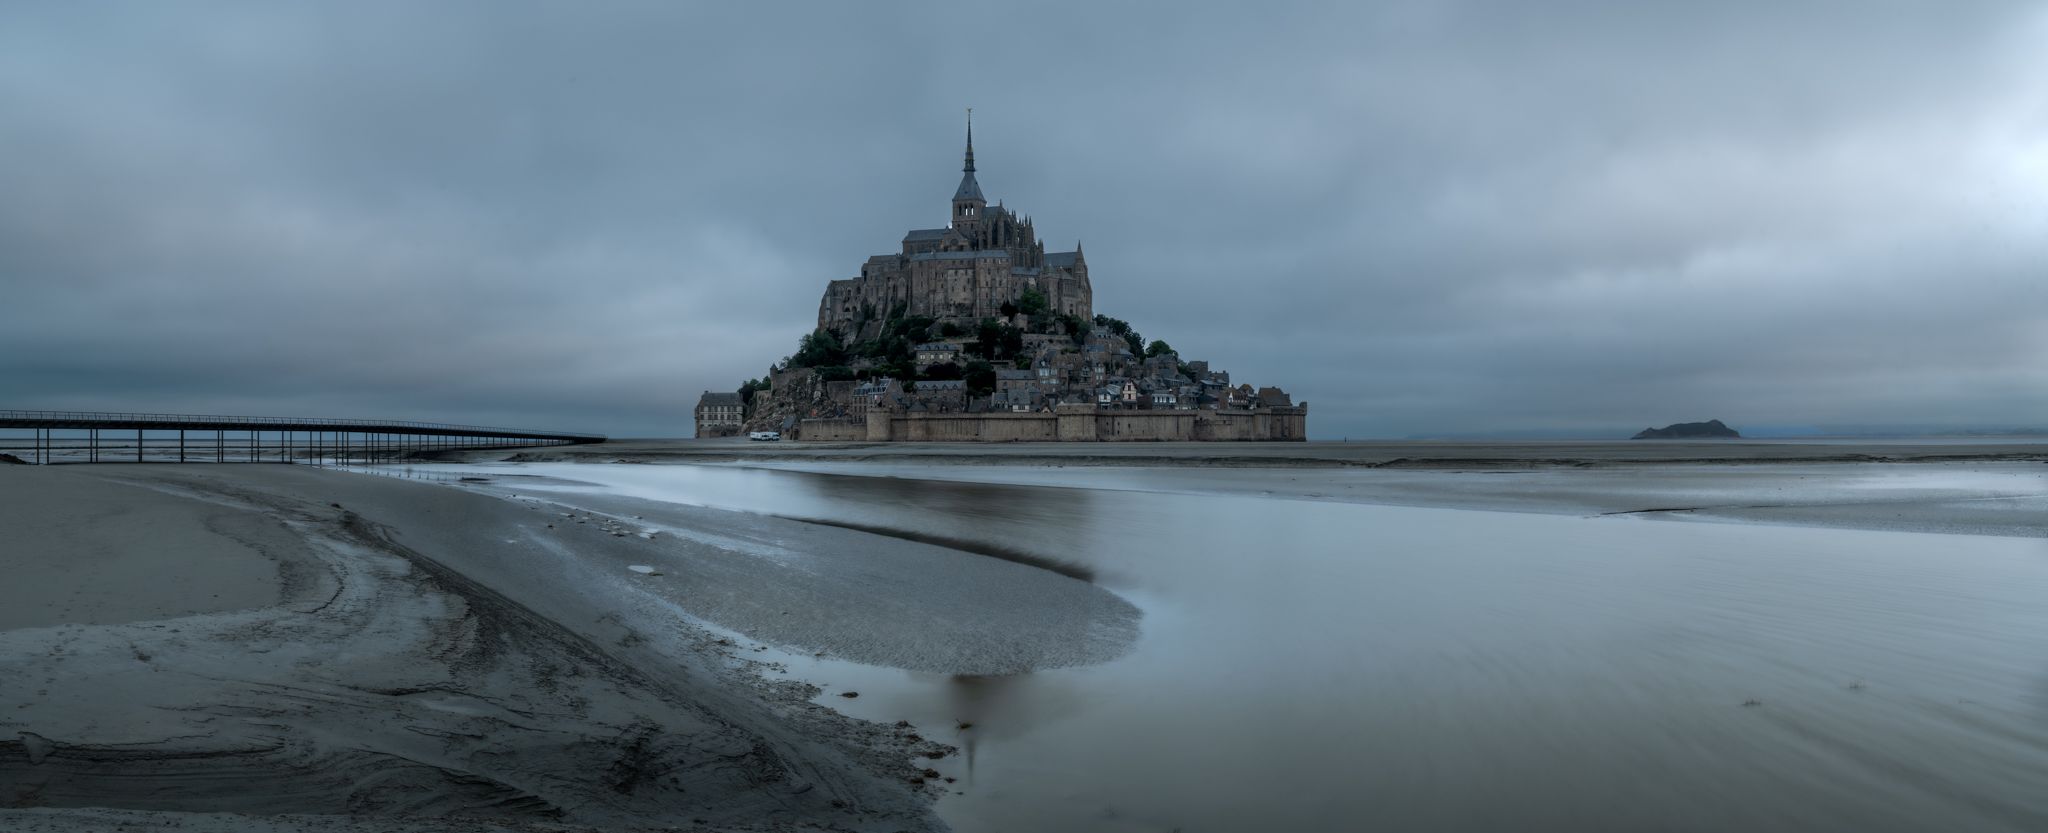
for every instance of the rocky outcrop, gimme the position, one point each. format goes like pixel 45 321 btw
pixel 1688 431
pixel 795 393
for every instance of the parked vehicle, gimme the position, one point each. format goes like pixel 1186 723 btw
pixel 765 436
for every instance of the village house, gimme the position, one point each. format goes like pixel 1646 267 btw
pixel 942 395
pixel 720 414
pixel 1011 379
pixel 867 393
pixel 938 353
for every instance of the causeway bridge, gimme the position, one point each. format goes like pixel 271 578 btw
pixel 88 437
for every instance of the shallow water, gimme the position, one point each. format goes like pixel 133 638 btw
pixel 1315 665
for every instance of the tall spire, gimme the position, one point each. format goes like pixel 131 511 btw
pixel 969 189
pixel 970 141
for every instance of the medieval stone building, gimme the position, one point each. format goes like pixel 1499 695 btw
pixel 986 257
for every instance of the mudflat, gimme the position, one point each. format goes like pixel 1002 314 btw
pixel 386 651
pixel 80 550
pixel 1375 454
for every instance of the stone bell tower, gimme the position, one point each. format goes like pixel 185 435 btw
pixel 967 201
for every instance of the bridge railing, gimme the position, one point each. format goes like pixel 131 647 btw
pixel 258 439
pixel 43 418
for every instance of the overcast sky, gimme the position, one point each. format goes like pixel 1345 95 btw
pixel 1422 218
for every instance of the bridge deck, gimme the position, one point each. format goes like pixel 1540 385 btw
pixel 186 422
pixel 256 439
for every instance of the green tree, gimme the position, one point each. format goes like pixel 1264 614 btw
pixel 1008 309
pixel 1158 348
pixel 951 330
pixel 980 377
pixel 747 391
pixel 988 337
pixel 907 326
pixel 818 349
pixel 900 369
pixel 942 371
pixel 1032 302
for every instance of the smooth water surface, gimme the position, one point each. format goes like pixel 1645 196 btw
pixel 1328 666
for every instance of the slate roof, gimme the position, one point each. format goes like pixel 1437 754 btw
pixel 1061 258
pixel 969 189
pixel 926 234
pixel 710 399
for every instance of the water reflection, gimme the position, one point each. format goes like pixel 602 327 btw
pixel 1318 666
pixel 1047 522
pixel 1066 568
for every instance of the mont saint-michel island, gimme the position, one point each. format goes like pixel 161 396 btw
pixel 643 417
pixel 975 333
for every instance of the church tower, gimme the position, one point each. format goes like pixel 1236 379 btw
pixel 967 201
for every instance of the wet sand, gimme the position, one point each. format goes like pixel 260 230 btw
pixel 318 647
pixel 1312 662
pixel 393 651
pixel 97 553
pixel 1335 455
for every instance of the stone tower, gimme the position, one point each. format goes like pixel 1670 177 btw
pixel 985 258
pixel 968 204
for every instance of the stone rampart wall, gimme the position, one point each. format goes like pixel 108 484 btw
pixel 832 430
pixel 1073 423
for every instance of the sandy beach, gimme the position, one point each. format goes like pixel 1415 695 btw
pixel 293 648
pixel 360 646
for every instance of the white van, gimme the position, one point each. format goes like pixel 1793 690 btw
pixel 765 436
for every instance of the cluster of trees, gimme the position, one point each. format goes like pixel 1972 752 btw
pixel 890 354
pixel 1122 329
pixel 1032 302
pixel 747 391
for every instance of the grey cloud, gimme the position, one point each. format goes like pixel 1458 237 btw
pixel 1429 217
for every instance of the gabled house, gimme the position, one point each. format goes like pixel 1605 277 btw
pixel 931 354
pixel 1009 379
pixel 720 414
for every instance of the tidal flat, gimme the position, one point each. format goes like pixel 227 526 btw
pixel 1791 646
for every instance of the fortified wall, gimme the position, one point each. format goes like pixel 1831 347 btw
pixel 1071 423
pixel 988 337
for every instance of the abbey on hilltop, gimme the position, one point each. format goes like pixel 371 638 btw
pixel 975 333
pixel 964 272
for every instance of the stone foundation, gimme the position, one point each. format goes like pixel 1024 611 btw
pixel 1072 423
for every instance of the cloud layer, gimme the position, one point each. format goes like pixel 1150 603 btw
pixel 1422 218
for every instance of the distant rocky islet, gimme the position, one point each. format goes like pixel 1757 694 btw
pixel 1710 429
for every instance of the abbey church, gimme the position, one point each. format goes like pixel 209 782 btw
pixel 975 333
pixel 986 257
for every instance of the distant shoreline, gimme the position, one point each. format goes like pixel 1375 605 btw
pixel 1389 454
